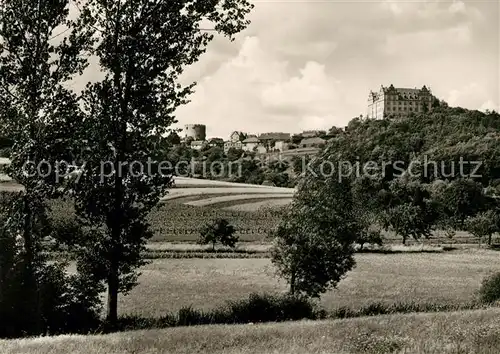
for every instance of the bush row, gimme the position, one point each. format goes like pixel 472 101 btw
pixel 276 308
pixel 379 308
pixel 258 308
pixel 204 255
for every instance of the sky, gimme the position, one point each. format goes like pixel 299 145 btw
pixel 304 65
pixel 310 64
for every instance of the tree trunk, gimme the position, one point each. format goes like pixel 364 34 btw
pixel 31 282
pixel 113 285
pixel 292 282
pixel 116 221
pixel 489 240
pixel 113 275
pixel 115 256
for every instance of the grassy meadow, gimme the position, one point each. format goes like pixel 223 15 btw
pixel 442 278
pixel 424 333
pixel 181 274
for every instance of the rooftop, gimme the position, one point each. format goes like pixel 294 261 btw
pixel 310 141
pixel 274 136
pixel 251 139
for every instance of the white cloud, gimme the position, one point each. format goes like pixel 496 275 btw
pixel 472 96
pixel 428 41
pixel 457 7
pixel 490 105
pixel 310 92
pixel 392 6
pixel 255 92
pixel 283 72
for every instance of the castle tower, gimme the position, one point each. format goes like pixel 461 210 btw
pixel 195 131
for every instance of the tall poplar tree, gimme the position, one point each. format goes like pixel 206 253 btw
pixel 143 47
pixel 40 50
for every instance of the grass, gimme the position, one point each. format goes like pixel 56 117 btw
pixel 431 333
pixel 450 278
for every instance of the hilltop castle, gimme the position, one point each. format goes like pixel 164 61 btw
pixel 398 101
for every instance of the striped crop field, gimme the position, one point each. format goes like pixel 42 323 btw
pixel 202 192
pixel 249 197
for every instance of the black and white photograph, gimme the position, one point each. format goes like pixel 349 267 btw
pixel 250 176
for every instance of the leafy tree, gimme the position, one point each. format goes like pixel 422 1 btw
pixel 484 224
pixel 143 48
pixel 460 199
pixel 299 164
pixel 251 172
pixel 409 211
pixel 234 154
pixel 370 236
pixel 490 289
pixel 36 113
pixel 188 140
pixel 296 139
pixel 334 131
pixel 368 206
pixel 275 173
pixel 174 138
pixel 218 231
pixel 314 242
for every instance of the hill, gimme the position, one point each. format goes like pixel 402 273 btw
pixel 445 136
pixel 438 333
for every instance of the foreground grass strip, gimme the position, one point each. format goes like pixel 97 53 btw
pixel 437 333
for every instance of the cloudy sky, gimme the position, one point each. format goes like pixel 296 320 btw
pixel 310 64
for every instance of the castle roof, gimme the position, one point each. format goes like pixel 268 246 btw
pixel 403 92
pixel 274 136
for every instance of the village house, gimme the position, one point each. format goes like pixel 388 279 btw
pixel 269 140
pixel 260 149
pixel 216 142
pixel 312 133
pixel 235 136
pixel 230 144
pixel 312 142
pixel 250 143
pixel 198 144
pixel 281 146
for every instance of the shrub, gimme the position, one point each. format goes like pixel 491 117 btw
pixel 5 152
pixel 66 303
pixel 270 308
pixel 56 302
pixel 219 230
pixel 490 289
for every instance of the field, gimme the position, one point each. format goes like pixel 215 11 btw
pixel 252 209
pixel 441 278
pixel 432 333
pixel 169 284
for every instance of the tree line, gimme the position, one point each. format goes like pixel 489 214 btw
pixel 331 217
